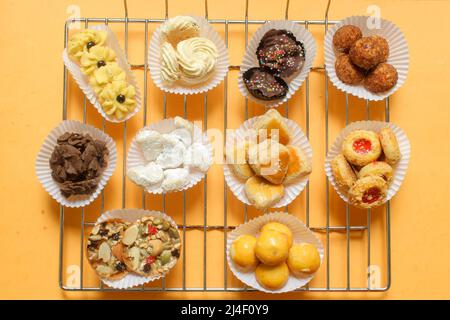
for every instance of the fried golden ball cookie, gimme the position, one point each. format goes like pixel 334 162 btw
pixel 368 192
pixel 347 71
pixel 361 147
pixel 367 52
pixel 272 277
pixel 345 36
pixel 390 146
pixel 342 171
pixel 382 78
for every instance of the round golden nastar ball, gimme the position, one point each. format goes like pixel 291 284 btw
pixel 282 228
pixel 304 258
pixel 272 277
pixel 272 247
pixel 243 252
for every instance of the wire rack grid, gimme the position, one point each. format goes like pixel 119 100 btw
pixel 327 229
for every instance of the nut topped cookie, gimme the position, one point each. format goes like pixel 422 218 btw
pixel 151 246
pixel 104 249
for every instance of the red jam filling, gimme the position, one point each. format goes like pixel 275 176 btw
pixel 371 195
pixel 362 146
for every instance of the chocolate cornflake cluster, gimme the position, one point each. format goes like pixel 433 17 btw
pixel 77 163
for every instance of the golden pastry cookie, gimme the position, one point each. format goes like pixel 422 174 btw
pixel 272 247
pixel 272 277
pixel 242 252
pixel 303 258
pixel 237 160
pixel 390 146
pixel 263 194
pixel 104 249
pixel 377 168
pixel 279 227
pixel 361 147
pixel 269 159
pixel 298 166
pixel 273 120
pixel 342 171
pixel 368 192
pixel 151 246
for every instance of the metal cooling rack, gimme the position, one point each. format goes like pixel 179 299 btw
pixel 326 229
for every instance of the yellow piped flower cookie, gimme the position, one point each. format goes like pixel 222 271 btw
pixel 97 57
pixel 108 74
pixel 118 99
pixel 84 40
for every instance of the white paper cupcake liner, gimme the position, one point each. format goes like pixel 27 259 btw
pixel 398 55
pixel 294 82
pixel 399 169
pixel 291 190
pixel 83 80
pixel 135 156
pixel 221 69
pixel 300 233
pixel 132 215
pixel 44 172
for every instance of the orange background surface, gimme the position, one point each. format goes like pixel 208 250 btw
pixel 32 90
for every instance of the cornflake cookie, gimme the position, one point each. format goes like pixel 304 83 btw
pixel 104 249
pixel 151 246
pixel 361 147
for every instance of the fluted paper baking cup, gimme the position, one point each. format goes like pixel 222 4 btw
pixel 132 215
pixel 398 55
pixel 291 190
pixel 83 80
pixel 300 233
pixel 295 81
pixel 44 172
pixel 221 68
pixel 135 156
pixel 376 126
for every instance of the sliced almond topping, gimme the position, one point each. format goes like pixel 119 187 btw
pixel 102 269
pixel 130 235
pixel 134 254
pixel 104 252
pixel 96 229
